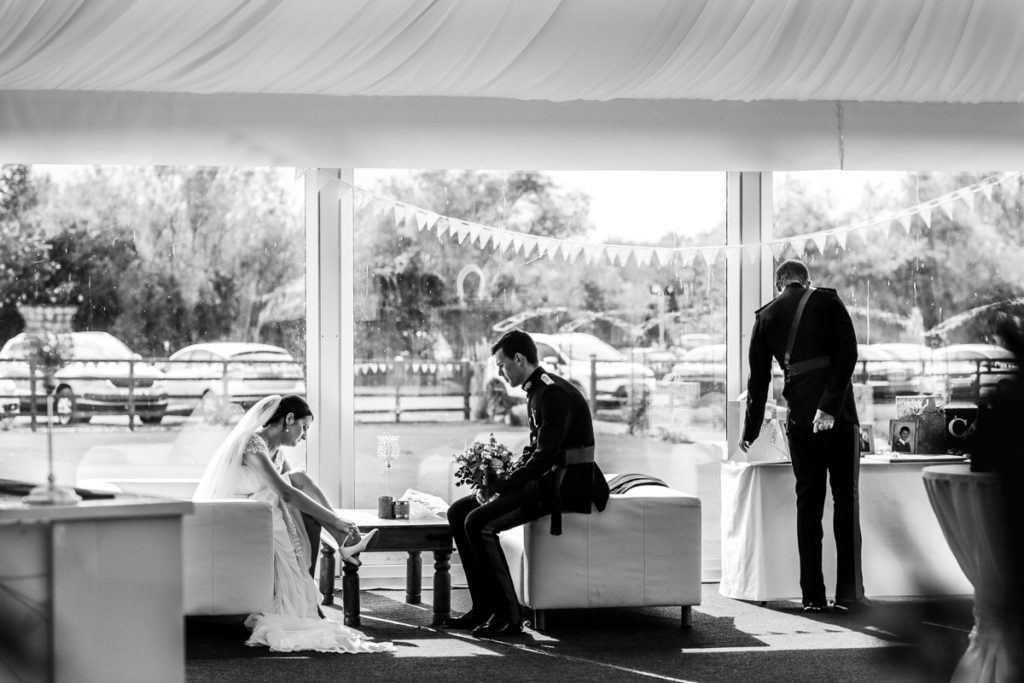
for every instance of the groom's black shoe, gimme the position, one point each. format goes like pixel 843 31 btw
pixel 467 621
pixel 497 627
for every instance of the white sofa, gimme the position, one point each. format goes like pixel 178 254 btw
pixel 227 547
pixel 643 550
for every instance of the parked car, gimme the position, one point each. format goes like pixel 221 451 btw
pixel 568 355
pixel 971 372
pixel 659 360
pixel 703 365
pixel 894 369
pixel 103 374
pixel 243 372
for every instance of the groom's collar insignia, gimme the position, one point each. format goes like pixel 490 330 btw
pixel 529 383
pixel 547 380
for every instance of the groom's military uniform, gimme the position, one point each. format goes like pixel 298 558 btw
pixel 555 473
pixel 818 372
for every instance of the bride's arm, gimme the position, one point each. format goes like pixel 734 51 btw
pixel 292 495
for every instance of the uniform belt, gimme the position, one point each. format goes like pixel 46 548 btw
pixel 809 365
pixel 579 456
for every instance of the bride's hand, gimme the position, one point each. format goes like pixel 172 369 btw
pixel 345 528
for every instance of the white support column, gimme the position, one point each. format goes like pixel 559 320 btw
pixel 748 221
pixel 330 215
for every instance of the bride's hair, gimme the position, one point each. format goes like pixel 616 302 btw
pixel 296 405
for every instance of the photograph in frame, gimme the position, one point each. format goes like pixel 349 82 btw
pixel 903 436
pixel 867 439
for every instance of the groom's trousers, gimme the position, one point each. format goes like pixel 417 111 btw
pixel 475 528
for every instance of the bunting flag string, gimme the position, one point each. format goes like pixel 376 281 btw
pixel 532 247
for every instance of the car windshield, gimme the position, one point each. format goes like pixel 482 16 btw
pixel 584 348
pixel 99 348
pixel 88 347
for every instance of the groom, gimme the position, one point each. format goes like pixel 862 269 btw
pixel 556 472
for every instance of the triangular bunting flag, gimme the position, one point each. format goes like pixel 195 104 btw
pixel 947 207
pixel 986 190
pixel 432 219
pixel 665 256
pixel 841 239
pixel 502 241
pixel 926 216
pixel 529 246
pixel 517 242
pixel 710 255
pixel 643 256
pixel 820 241
pixel 300 172
pixel 686 257
pixel 442 227
pixel 421 220
pixel 968 198
pixel 905 220
pixel 751 251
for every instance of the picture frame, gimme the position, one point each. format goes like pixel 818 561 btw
pixel 896 431
pixel 867 439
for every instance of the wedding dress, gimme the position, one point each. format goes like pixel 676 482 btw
pixel 291 622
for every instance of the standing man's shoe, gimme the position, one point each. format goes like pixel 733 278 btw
pixel 468 621
pixel 852 606
pixel 496 627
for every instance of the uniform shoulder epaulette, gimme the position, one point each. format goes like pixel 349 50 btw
pixel 547 380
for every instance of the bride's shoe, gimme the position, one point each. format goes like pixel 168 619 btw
pixel 349 553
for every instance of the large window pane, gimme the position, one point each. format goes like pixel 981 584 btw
pixel 185 303
pixel 928 263
pixel 445 260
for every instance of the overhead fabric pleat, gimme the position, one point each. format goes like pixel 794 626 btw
pixel 737 84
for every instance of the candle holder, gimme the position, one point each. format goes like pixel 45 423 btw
pixel 388 451
pixel 49 493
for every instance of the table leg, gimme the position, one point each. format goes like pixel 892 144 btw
pixel 327 574
pixel 350 594
pixel 442 586
pixel 413 580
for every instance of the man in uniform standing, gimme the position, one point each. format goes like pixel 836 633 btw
pixel 809 332
pixel 556 472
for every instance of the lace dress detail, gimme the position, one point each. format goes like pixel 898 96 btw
pixel 292 622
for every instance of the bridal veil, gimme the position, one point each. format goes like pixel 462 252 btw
pixel 221 473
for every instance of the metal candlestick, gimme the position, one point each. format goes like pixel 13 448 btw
pixel 49 493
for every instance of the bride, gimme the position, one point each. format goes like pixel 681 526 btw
pixel 250 464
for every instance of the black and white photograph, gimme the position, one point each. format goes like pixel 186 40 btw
pixel 533 340
pixel 867 439
pixel 903 436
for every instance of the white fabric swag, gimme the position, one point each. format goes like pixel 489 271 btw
pixel 692 85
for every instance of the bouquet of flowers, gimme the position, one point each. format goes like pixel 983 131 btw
pixel 481 465
pixel 48 352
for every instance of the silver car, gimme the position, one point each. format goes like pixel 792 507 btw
pixel 103 376
pixel 203 375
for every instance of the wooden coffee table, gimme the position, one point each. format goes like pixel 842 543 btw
pixel 412 536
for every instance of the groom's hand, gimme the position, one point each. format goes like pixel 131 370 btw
pixel 744 446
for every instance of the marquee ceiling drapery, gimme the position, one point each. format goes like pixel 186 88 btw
pixel 697 84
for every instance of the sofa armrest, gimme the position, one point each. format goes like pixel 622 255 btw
pixel 228 556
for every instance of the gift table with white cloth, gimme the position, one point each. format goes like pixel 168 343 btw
pixel 965 505
pixel 904 552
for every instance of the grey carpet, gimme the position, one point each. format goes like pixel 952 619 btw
pixel 898 640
